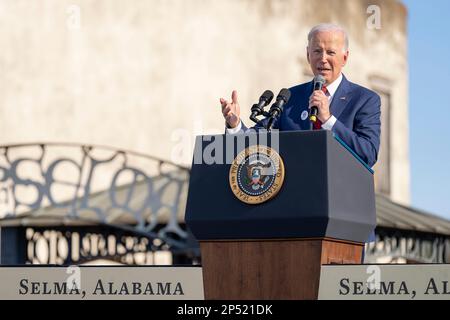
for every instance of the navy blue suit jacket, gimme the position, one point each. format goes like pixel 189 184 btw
pixel 356 108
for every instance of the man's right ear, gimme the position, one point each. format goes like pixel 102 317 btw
pixel 307 54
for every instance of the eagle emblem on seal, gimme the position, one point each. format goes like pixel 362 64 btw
pixel 256 174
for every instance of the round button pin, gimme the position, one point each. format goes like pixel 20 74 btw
pixel 304 115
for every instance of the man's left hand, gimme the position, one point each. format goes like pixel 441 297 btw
pixel 320 100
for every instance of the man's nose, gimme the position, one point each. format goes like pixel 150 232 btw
pixel 324 57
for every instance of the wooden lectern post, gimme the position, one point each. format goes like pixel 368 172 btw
pixel 271 269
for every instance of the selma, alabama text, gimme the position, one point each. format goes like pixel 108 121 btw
pixel 386 288
pixel 101 288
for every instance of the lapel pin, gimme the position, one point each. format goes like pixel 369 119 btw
pixel 304 115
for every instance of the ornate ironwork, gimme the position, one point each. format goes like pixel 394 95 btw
pixel 70 184
pixel 74 245
pixel 408 246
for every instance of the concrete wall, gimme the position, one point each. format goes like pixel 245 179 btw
pixel 147 75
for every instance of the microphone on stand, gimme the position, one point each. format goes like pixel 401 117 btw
pixel 277 108
pixel 258 108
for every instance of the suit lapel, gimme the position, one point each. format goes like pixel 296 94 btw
pixel 340 98
pixel 308 92
pixel 306 124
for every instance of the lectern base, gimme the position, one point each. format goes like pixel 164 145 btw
pixel 272 269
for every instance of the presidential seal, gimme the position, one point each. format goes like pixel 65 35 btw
pixel 256 174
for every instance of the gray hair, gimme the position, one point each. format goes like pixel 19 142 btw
pixel 329 27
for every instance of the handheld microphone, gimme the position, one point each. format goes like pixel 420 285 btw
pixel 258 108
pixel 277 108
pixel 319 81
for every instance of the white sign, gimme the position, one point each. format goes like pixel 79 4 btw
pixel 101 283
pixel 385 282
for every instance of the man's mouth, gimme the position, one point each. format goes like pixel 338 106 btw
pixel 322 69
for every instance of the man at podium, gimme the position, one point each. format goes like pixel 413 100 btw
pixel 350 111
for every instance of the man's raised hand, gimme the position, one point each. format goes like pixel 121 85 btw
pixel 231 111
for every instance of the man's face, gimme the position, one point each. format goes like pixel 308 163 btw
pixel 326 54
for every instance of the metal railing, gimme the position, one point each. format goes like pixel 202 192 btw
pixel 55 185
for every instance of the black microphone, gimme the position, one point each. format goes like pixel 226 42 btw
pixel 277 108
pixel 319 81
pixel 258 108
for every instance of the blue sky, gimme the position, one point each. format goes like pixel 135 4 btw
pixel 429 102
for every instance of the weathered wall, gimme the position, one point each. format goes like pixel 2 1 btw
pixel 147 75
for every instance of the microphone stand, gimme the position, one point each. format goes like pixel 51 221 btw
pixel 270 123
pixel 259 122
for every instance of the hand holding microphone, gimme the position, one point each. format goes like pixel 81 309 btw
pixel 319 106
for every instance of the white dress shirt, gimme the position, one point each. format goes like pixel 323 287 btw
pixel 331 91
pixel 331 88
